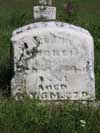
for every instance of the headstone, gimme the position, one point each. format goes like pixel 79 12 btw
pixel 44 10
pixel 45 2
pixel 53 61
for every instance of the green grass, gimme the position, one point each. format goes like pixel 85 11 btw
pixel 32 116
pixel 16 13
pixel 37 117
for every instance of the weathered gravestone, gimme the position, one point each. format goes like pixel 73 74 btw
pixel 45 2
pixel 44 11
pixel 53 61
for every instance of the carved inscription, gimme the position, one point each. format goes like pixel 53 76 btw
pixel 58 90
pixel 72 52
pixel 52 87
pixel 58 95
pixel 54 61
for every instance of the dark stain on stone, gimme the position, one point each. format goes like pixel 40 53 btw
pixel 18 32
pixel 21 64
pixel 37 40
pixel 88 62
pixel 41 86
pixel 28 28
pixel 21 68
pixel 27 52
pixel 41 78
pixel 33 68
pixel 87 65
pixel 20 58
pixel 25 45
pixel 34 51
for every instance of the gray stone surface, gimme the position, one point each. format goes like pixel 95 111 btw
pixel 53 61
pixel 44 12
pixel 45 2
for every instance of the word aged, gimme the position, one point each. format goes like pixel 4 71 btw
pixel 51 87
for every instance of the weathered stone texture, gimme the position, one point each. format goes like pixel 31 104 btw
pixel 53 61
pixel 45 2
pixel 44 12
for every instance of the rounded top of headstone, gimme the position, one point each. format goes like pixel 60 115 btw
pixel 51 24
